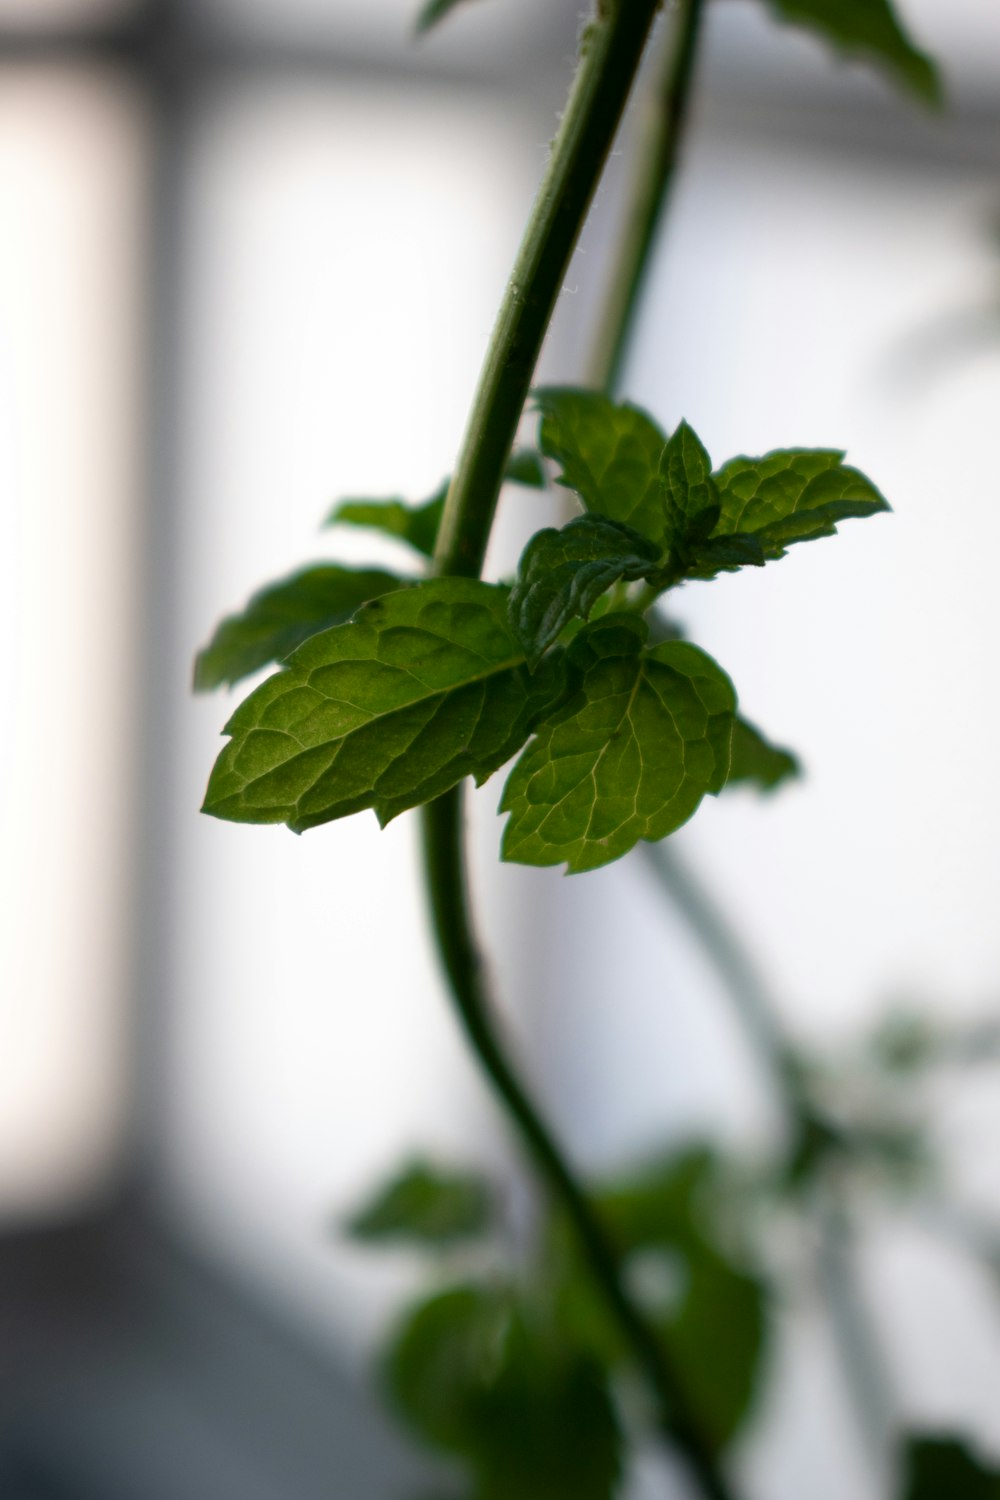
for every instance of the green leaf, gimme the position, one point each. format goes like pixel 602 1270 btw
pixel 433 12
pixel 793 495
pixel 479 1375
pixel 756 760
pixel 562 574
pixel 417 525
pixel 717 1336
pixel 629 757
pixel 715 1322
pixel 869 29
pixel 689 495
pixel 723 554
pixel 281 616
pixel 425 686
pixel 704 1304
pixel 622 467
pixel 942 1468
pixel 427 1206
pixel 658 1204
pixel 609 454
pixel 525 467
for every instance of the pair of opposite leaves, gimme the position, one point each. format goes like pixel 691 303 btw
pixel 447 678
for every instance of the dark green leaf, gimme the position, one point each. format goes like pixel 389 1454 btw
pixel 723 554
pixel 792 496
pixel 433 12
pixel 868 29
pixel 477 1374
pixel 717 1335
pixel 659 1204
pixel 422 688
pixel 609 454
pixel 525 467
pixel 562 574
pixel 622 467
pixel 756 760
pixel 630 756
pixel 417 525
pixel 708 1308
pixel 689 499
pixel 942 1468
pixel 444 1354
pixel 427 1206
pixel 283 615
pixel 715 1321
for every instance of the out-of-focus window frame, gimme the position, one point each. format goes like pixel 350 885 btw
pixel 117 1286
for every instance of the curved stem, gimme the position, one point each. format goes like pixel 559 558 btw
pixel 860 1351
pixel 448 885
pixel 612 49
pixel 611 53
pixel 662 124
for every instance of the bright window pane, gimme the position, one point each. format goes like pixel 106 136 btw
pixel 70 178
pixel 346 255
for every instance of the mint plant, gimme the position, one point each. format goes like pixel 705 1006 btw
pixel 392 689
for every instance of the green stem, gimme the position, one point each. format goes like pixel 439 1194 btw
pixel 450 908
pixel 612 49
pixel 664 114
pixel 860 1350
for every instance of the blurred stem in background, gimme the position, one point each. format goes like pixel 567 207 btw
pixel 663 115
pixel 661 130
pixel 866 1374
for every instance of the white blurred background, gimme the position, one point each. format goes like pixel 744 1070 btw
pixel 257 1020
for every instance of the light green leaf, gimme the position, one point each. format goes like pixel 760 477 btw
pixel 476 1373
pixel 417 525
pixel 427 1206
pixel 425 686
pixel 868 29
pixel 629 757
pixel 757 761
pixel 433 12
pixel 281 616
pixel 791 496
pixel 609 454
pixel 563 573
pixel 943 1468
